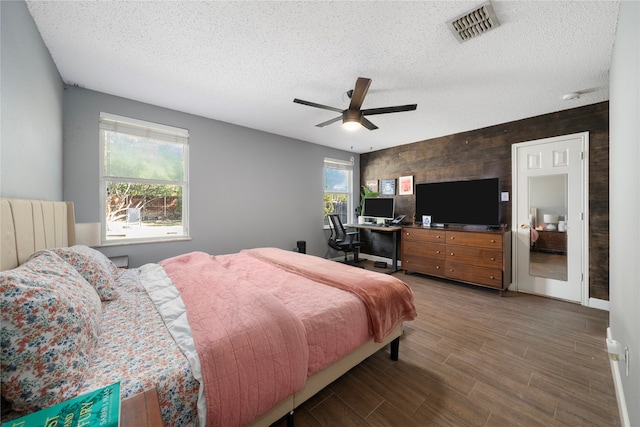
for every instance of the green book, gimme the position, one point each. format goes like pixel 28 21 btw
pixel 99 408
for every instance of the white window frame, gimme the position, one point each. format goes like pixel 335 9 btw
pixel 156 131
pixel 342 165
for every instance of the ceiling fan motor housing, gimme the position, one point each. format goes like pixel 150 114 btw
pixel 351 116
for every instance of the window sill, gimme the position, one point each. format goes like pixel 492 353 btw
pixel 124 242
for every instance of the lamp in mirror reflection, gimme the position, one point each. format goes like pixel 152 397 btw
pixel 550 221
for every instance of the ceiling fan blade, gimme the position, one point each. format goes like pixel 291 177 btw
pixel 359 92
pixel 384 110
pixel 366 123
pixel 313 104
pixel 328 122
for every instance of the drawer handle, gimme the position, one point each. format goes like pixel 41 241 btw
pixel 493 259
pixel 451 253
pixel 452 237
pixel 438 236
pixel 437 267
pixel 492 277
pixel 437 252
pixel 451 269
pixel 493 241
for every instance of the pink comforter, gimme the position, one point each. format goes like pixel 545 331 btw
pixel 254 351
pixel 252 357
pixel 389 301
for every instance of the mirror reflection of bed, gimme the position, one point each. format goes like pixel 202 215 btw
pixel 547 219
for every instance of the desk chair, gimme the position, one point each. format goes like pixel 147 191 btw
pixel 341 240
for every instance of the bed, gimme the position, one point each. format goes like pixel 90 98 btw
pixel 237 339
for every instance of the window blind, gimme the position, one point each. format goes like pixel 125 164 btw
pixel 155 131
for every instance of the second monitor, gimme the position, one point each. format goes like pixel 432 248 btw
pixel 379 209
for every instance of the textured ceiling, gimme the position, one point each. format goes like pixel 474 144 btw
pixel 244 62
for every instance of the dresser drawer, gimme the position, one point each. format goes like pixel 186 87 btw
pixel 486 276
pixel 423 235
pixel 424 249
pixel 483 240
pixel 430 266
pixel 472 255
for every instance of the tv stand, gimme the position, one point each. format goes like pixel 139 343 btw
pixel 480 258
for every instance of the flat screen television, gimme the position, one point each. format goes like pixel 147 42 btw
pixel 474 202
pixel 378 207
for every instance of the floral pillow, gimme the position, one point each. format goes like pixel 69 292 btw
pixel 50 320
pixel 94 266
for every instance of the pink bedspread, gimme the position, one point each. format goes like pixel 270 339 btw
pixel 251 357
pixel 336 322
pixel 389 301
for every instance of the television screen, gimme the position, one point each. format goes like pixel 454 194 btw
pixel 379 207
pixel 475 202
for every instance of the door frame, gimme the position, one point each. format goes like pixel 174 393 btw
pixel 584 229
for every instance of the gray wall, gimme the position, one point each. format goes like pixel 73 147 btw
pixel 31 110
pixel 625 199
pixel 247 188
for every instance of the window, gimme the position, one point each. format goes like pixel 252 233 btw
pixel 338 189
pixel 144 180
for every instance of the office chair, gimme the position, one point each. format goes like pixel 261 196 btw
pixel 341 240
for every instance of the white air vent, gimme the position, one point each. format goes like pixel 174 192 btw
pixel 474 23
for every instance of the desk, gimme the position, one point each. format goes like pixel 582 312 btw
pixel 380 228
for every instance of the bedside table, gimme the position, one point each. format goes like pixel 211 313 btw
pixel 141 410
pixel 121 261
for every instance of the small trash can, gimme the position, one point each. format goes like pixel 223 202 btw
pixel 302 246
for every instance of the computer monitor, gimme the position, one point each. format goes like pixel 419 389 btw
pixel 379 208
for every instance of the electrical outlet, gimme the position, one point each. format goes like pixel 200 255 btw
pixel 504 196
pixel 614 348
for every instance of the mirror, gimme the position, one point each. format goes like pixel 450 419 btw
pixel 547 221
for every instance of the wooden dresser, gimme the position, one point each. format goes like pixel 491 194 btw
pixel 477 257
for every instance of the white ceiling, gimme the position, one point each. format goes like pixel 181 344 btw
pixel 245 62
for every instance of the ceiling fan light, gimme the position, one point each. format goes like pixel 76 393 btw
pixel 351 125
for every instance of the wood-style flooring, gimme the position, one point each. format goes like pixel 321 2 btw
pixel 473 358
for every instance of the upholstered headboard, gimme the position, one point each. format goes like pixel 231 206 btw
pixel 30 225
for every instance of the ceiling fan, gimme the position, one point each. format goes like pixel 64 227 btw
pixel 353 117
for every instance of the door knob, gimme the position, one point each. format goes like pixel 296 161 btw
pixel 524 226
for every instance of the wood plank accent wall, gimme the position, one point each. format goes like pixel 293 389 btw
pixel 486 153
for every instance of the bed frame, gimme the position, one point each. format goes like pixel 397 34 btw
pixel 27 226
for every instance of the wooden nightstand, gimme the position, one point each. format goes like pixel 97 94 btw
pixel 141 410
pixel 121 261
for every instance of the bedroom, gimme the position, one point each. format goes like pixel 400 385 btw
pixel 248 161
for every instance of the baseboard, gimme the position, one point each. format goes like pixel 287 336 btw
pixel 617 383
pixel 599 304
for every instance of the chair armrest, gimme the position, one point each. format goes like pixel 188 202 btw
pixel 351 235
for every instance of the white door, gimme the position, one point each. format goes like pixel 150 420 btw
pixel 550 217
